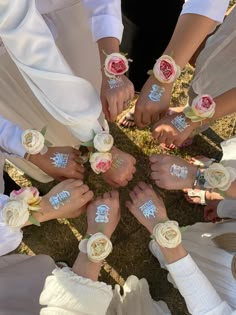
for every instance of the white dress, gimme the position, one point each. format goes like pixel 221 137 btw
pixel 64 90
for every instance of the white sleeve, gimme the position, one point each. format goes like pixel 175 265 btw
pixel 66 293
pixel 200 297
pixel 227 209
pixel 10 239
pixel 213 9
pixel 10 138
pixel 105 18
pixel 73 101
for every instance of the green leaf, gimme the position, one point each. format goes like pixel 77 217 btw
pixel 48 143
pixel 184 228
pixel 87 144
pixel 44 130
pixel 34 221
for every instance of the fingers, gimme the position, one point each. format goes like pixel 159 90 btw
pixel 146 118
pixel 143 186
pixel 112 110
pixel 155 158
pixel 130 206
pixel 83 189
pixel 86 197
pixel 138 116
pixel 105 106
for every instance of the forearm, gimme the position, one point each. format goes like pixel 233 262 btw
pixel 199 295
pixel 225 104
pixel 172 255
pixel 231 192
pixel 85 268
pixel 107 46
pixel 190 31
pixel 226 209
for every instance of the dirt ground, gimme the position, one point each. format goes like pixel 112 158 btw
pixel 59 239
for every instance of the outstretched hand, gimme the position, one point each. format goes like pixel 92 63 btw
pixel 60 163
pixel 146 206
pixel 103 214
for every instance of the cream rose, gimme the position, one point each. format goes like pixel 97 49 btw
pixel 219 176
pixel 103 142
pixel 33 142
pixel 28 194
pixel 98 247
pixel 15 213
pixel 116 64
pixel 100 162
pixel 167 234
pixel 166 70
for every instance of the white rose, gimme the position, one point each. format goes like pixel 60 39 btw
pixel 219 176
pixel 167 234
pixel 98 247
pixel 28 194
pixel 103 142
pixel 15 213
pixel 100 162
pixel 33 141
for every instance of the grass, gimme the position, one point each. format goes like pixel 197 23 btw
pixel 59 239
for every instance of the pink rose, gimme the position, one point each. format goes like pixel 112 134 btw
pixel 203 106
pixel 165 69
pixel 100 162
pixel 29 194
pixel 116 64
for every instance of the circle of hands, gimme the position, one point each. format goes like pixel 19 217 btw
pixel 82 198
pixel 147 112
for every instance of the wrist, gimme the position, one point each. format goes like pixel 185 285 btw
pixel 172 255
pixel 33 158
pixel 85 268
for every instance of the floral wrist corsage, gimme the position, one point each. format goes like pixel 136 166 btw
pixel 166 70
pixel 167 234
pixel 97 247
pixel 101 160
pixel 20 207
pixel 203 106
pixel 116 64
pixel 34 142
pixel 216 176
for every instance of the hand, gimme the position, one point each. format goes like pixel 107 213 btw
pixel 210 212
pixel 72 168
pixel 72 207
pixel 146 110
pixel 115 100
pixel 165 132
pixel 111 200
pixel 161 172
pixel 122 169
pixel 140 195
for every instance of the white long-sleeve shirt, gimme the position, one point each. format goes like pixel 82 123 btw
pixel 213 9
pixel 10 144
pixel 66 293
pixel 71 100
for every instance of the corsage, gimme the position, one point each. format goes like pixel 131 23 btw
pixel 203 106
pixel 167 234
pixel 166 70
pixel 96 246
pixel 20 207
